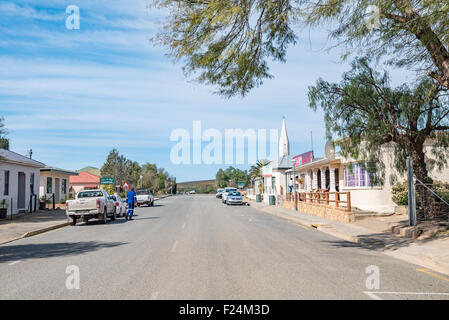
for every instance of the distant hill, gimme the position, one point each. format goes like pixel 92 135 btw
pixel 92 170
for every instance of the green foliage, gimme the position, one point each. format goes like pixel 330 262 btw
pixel 230 177
pixel 256 170
pixel 365 113
pixel 4 142
pixel 400 193
pixel 92 170
pixel 227 43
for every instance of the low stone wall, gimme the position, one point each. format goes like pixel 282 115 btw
pixel 322 210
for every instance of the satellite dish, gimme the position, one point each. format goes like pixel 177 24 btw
pixel 329 150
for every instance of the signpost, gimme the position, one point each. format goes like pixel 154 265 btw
pixel 125 185
pixel 241 185
pixel 107 181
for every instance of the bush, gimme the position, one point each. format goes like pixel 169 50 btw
pixel 62 201
pixel 400 193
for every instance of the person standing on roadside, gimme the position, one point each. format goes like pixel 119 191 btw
pixel 131 199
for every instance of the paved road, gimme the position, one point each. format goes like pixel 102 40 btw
pixel 193 247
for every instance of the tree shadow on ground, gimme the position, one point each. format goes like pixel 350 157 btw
pixel 149 218
pixel 50 250
pixel 375 241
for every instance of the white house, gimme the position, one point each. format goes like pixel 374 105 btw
pixel 19 181
pixel 55 181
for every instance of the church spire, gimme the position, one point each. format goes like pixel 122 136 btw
pixel 284 144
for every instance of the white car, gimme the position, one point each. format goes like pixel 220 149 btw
pixel 192 192
pixel 120 205
pixel 226 193
pixel 234 197
pixel 144 196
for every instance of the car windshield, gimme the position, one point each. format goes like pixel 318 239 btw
pixel 235 194
pixel 143 192
pixel 219 190
pixel 90 194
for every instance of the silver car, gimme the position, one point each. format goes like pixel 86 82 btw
pixel 234 198
pixel 226 192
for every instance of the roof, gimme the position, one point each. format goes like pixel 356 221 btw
pixel 58 170
pixel 284 162
pixel 85 178
pixel 15 158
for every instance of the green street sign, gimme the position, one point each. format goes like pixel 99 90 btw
pixel 106 180
pixel 241 184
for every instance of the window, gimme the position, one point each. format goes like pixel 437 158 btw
pixel 32 183
pixel 49 185
pixel 64 186
pixel 6 190
pixel 361 175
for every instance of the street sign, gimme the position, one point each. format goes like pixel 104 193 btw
pixel 241 185
pixel 106 180
pixel 125 185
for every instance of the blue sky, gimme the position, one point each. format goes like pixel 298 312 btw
pixel 73 95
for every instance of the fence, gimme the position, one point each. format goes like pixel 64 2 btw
pixel 336 199
pixel 432 201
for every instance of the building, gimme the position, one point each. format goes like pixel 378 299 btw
pixel 55 181
pixel 360 180
pixel 18 181
pixel 83 181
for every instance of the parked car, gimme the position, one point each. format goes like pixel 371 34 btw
pixel 192 192
pixel 120 205
pixel 225 194
pixel 91 204
pixel 144 196
pixel 219 193
pixel 234 197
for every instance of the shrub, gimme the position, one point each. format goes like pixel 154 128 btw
pixel 400 193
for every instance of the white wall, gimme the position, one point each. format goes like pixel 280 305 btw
pixel 13 184
pixel 54 176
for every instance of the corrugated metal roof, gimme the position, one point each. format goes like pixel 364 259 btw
pixel 13 157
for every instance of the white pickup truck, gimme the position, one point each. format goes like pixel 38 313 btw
pixel 91 204
pixel 145 196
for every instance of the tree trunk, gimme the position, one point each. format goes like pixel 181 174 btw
pixel 419 163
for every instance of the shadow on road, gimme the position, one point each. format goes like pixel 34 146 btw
pixel 149 218
pixel 49 250
pixel 377 242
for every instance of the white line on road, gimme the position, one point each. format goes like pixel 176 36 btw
pixel 174 246
pixel 184 225
pixel 13 263
pixel 372 295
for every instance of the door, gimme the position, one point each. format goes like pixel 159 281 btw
pixel 57 190
pixel 21 190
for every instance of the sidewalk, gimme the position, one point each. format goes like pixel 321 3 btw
pixel 374 235
pixel 31 224
pixel 36 223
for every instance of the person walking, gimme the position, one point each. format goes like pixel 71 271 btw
pixel 131 199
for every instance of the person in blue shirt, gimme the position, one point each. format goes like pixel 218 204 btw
pixel 132 200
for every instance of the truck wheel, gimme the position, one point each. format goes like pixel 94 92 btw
pixel 114 215
pixel 73 222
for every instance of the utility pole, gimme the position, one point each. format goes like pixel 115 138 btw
pixel 411 194
pixel 311 141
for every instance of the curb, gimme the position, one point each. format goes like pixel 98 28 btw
pixel 36 232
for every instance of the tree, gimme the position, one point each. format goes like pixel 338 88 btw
pixel 256 170
pixel 4 142
pixel 227 43
pixel 367 113
pixel 116 166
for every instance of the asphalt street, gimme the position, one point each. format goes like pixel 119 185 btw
pixel 194 247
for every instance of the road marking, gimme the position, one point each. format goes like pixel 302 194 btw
pixel 174 246
pixel 154 295
pixel 13 263
pixel 372 295
pixel 428 272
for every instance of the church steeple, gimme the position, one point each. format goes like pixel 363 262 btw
pixel 284 144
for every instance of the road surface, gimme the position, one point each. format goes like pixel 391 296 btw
pixel 194 247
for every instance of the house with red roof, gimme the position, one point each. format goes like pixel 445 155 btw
pixel 84 181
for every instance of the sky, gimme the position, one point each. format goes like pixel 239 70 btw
pixel 73 95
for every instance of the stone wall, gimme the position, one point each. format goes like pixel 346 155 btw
pixel 322 210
